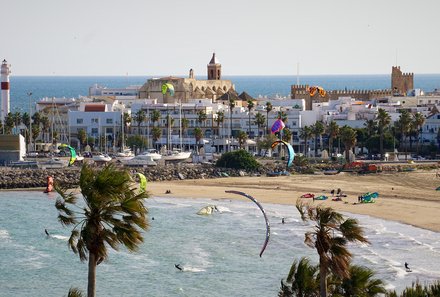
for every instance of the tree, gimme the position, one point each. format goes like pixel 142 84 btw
pixel 260 119
pixel 126 118
pixel 317 130
pixel 45 125
pixel 287 135
pixel 201 117
pixel 302 280
pixel 17 119
pixel 185 125
pixel 198 134
pixel 329 237
pixel 156 132
pixel 348 137
pixel 383 120
pixel 269 108
pixel 305 133
pixel 82 137
pixel 112 214
pixel 418 120
pixel 9 123
pixel 231 103
pixel 219 119
pixel 155 116
pixel 250 105
pixel 139 118
pixel 360 283
pixel 333 132
pixel 242 137
pixel 405 127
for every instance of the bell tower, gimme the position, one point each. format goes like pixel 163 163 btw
pixel 214 69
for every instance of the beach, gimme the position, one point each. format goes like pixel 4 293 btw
pixel 406 197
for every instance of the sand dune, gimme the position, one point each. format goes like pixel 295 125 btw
pixel 407 197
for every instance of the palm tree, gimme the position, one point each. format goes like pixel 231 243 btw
pixel 45 126
pixel 16 116
pixel 305 133
pixel 9 123
pixel 317 130
pixel 302 280
pixel 155 116
pixel 242 137
pixel 329 237
pixel 75 292
pixel 360 283
pixel 418 121
pixel 405 126
pixel 269 108
pixel 198 134
pixel 287 135
pixel 231 104
pixel 250 105
pixel 156 132
pixel 126 120
pixel 260 119
pixel 26 120
pixel 220 118
pixel 201 117
pixel 333 132
pixel 112 214
pixel 139 118
pixel 383 120
pixel 185 124
pixel 348 137
pixel 82 137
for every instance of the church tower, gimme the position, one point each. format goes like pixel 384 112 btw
pixel 214 69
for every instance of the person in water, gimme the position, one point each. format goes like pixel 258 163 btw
pixel 178 267
pixel 47 233
pixel 407 267
pixel 282 221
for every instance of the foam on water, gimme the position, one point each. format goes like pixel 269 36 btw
pixel 221 251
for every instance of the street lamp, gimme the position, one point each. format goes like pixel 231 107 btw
pixel 30 121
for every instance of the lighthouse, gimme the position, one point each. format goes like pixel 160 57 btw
pixel 5 105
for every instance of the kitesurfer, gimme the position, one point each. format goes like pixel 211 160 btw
pixel 178 267
pixel 282 221
pixel 407 267
pixel 47 233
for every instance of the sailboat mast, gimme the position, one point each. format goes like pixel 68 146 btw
pixel 180 123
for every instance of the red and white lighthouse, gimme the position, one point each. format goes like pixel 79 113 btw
pixel 5 100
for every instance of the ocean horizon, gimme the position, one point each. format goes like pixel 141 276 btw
pixel 254 85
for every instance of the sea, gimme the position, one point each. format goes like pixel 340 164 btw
pixel 256 86
pixel 219 253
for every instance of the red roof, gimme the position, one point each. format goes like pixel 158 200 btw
pixel 94 107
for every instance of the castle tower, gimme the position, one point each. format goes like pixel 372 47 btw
pixel 401 83
pixel 5 104
pixel 214 69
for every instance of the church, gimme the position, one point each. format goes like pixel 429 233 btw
pixel 189 88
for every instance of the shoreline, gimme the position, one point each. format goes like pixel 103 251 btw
pixel 408 198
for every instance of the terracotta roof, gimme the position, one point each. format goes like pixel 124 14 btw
pixel 231 94
pixel 94 107
pixel 245 96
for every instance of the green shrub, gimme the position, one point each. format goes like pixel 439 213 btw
pixel 240 159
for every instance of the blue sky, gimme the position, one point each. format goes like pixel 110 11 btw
pixel 250 37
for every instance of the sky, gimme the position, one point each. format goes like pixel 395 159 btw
pixel 249 37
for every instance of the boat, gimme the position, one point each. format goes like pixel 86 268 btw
pixel 277 173
pixel 101 158
pixel 24 164
pixel 331 172
pixel 54 163
pixel 154 154
pixel 139 161
pixel 176 156
pixel 125 155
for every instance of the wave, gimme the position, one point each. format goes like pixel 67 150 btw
pixel 60 237
pixel 4 234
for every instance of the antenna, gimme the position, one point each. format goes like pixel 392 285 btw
pixel 396 57
pixel 297 73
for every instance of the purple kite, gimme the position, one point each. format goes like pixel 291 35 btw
pixel 278 126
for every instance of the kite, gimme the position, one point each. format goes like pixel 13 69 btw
pixel 72 153
pixel 266 241
pixel 314 89
pixel 289 149
pixel 143 182
pixel 167 87
pixel 278 126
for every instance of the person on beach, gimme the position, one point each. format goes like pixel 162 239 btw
pixel 47 233
pixel 178 267
pixel 332 192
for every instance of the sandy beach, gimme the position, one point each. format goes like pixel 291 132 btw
pixel 406 197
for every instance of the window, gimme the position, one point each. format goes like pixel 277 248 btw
pixel 94 130
pixel 109 121
pixel 79 121
pixel 94 121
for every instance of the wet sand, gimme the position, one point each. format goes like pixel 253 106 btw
pixel 406 197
